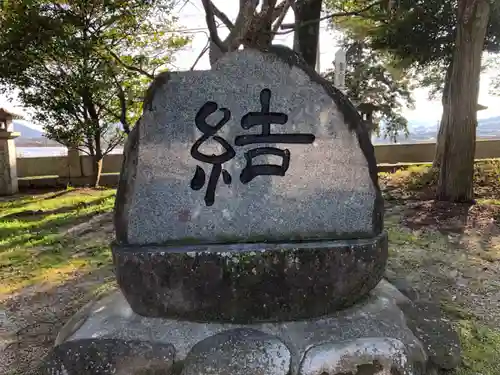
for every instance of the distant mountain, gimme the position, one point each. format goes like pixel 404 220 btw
pixel 27 129
pixel 32 135
pixel 424 131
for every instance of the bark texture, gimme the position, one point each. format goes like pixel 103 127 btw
pixel 444 101
pixel 308 35
pixel 256 28
pixel 96 171
pixel 460 111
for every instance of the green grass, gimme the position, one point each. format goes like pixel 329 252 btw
pixel 34 245
pixel 480 348
pixel 420 181
pixel 494 202
pixel 480 344
pixel 35 248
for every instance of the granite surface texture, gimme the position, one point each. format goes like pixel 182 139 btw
pixel 307 175
pixel 238 351
pixel 101 356
pixel 249 282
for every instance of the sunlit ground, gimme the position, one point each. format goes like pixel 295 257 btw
pixel 37 244
pixel 48 239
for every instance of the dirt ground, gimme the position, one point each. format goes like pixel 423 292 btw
pixel 450 253
pixel 31 318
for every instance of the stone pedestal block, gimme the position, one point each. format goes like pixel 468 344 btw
pixel 8 171
pixel 372 337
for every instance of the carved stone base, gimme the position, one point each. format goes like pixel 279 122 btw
pixel 248 283
pixel 372 337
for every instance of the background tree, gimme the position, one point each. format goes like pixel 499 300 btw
pixel 251 28
pixel 493 64
pixel 372 78
pixel 459 122
pixel 83 65
pixel 257 26
pixel 307 22
pixel 430 37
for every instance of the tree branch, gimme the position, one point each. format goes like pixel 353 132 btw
pixel 284 6
pixel 123 103
pixel 123 107
pixel 277 10
pixel 205 49
pixel 112 144
pixel 291 27
pixel 109 111
pixel 212 28
pixel 268 6
pixel 242 23
pixel 86 152
pixel 222 16
pixel 130 67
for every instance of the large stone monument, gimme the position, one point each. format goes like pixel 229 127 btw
pixel 249 236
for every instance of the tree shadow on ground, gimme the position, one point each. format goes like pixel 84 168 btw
pixel 443 216
pixel 34 215
pixel 25 198
pixel 454 219
pixel 53 262
pixel 38 228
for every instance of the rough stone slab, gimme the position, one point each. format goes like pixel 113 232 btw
pixel 373 355
pixel 377 317
pixel 329 191
pixel 401 284
pixel 438 336
pixel 103 356
pixel 240 351
pixel 249 282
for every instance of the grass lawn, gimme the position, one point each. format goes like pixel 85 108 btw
pixel 37 244
pixel 50 243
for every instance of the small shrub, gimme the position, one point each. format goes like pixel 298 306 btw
pixel 414 177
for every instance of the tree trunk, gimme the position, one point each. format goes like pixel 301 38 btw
pixel 460 122
pixel 97 159
pixel 446 110
pixel 214 53
pixel 96 170
pixel 308 35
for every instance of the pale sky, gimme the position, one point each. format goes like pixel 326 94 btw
pixel 192 22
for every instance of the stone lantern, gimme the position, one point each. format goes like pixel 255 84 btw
pixel 8 173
